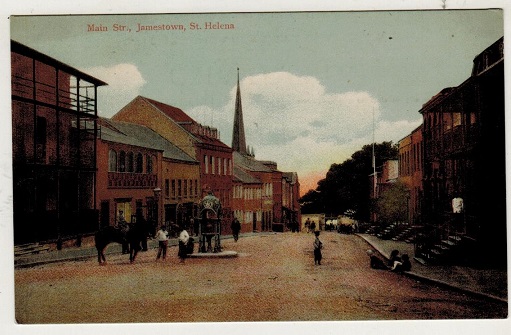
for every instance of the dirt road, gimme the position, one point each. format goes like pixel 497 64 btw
pixel 273 279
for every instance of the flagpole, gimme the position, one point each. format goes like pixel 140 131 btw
pixel 374 164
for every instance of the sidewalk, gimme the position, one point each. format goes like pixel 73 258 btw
pixel 488 283
pixel 88 250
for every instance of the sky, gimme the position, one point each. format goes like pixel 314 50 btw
pixel 314 85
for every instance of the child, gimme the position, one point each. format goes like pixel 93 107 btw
pixel 403 265
pixel 318 245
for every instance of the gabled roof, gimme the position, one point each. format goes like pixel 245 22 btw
pixel 174 113
pixel 249 163
pixel 141 136
pixel 245 178
pixel 182 119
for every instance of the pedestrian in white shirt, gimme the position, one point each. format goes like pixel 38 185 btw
pixel 163 241
pixel 183 239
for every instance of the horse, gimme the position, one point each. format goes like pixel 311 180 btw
pixel 133 236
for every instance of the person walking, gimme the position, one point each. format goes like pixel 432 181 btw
pixel 183 240
pixel 235 227
pixel 124 227
pixel 144 227
pixel 318 245
pixel 313 227
pixel 163 241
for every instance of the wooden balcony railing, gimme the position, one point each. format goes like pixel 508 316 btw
pixel 131 180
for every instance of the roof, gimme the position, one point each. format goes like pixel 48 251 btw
pixel 291 176
pixel 142 136
pixel 174 113
pixel 249 163
pixel 181 118
pixel 244 177
pixel 29 52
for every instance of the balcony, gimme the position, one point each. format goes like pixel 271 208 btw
pixel 131 180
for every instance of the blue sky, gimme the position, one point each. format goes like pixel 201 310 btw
pixel 310 81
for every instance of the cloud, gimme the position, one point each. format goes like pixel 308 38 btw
pixel 294 121
pixel 124 83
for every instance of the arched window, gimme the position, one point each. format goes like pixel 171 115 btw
pixel 122 161
pixel 130 162
pixel 149 167
pixel 112 161
pixel 139 167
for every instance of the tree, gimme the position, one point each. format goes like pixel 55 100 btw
pixel 347 185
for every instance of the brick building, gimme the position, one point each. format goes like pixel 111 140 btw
pixel 198 141
pixel 54 123
pixel 464 162
pixel 141 172
pixel 410 172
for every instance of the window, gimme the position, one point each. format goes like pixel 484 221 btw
pixel 191 189
pixel 196 188
pixel 179 188
pixel 167 188
pixel 185 188
pixel 206 164
pixel 130 162
pixel 122 161
pixel 149 163
pixel 112 161
pixel 212 163
pixel 139 167
pixel 173 188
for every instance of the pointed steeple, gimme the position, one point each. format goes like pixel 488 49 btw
pixel 238 131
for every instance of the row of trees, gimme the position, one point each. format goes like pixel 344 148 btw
pixel 346 188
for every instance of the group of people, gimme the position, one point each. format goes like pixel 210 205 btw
pixel 396 262
pixel 185 242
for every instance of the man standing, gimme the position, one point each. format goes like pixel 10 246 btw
pixel 163 240
pixel 235 227
pixel 183 239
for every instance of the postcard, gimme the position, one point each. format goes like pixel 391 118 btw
pixel 244 170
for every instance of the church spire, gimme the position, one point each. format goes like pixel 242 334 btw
pixel 238 131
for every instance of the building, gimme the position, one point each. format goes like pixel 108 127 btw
pixel 247 200
pixel 141 172
pixel 198 141
pixel 410 172
pixel 263 218
pixel 380 181
pixel 464 161
pixel 54 123
pixel 291 214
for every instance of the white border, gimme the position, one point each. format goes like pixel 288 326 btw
pixel 38 7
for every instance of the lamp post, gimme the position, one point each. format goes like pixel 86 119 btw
pixel 156 216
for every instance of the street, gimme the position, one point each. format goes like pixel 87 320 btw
pixel 272 279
